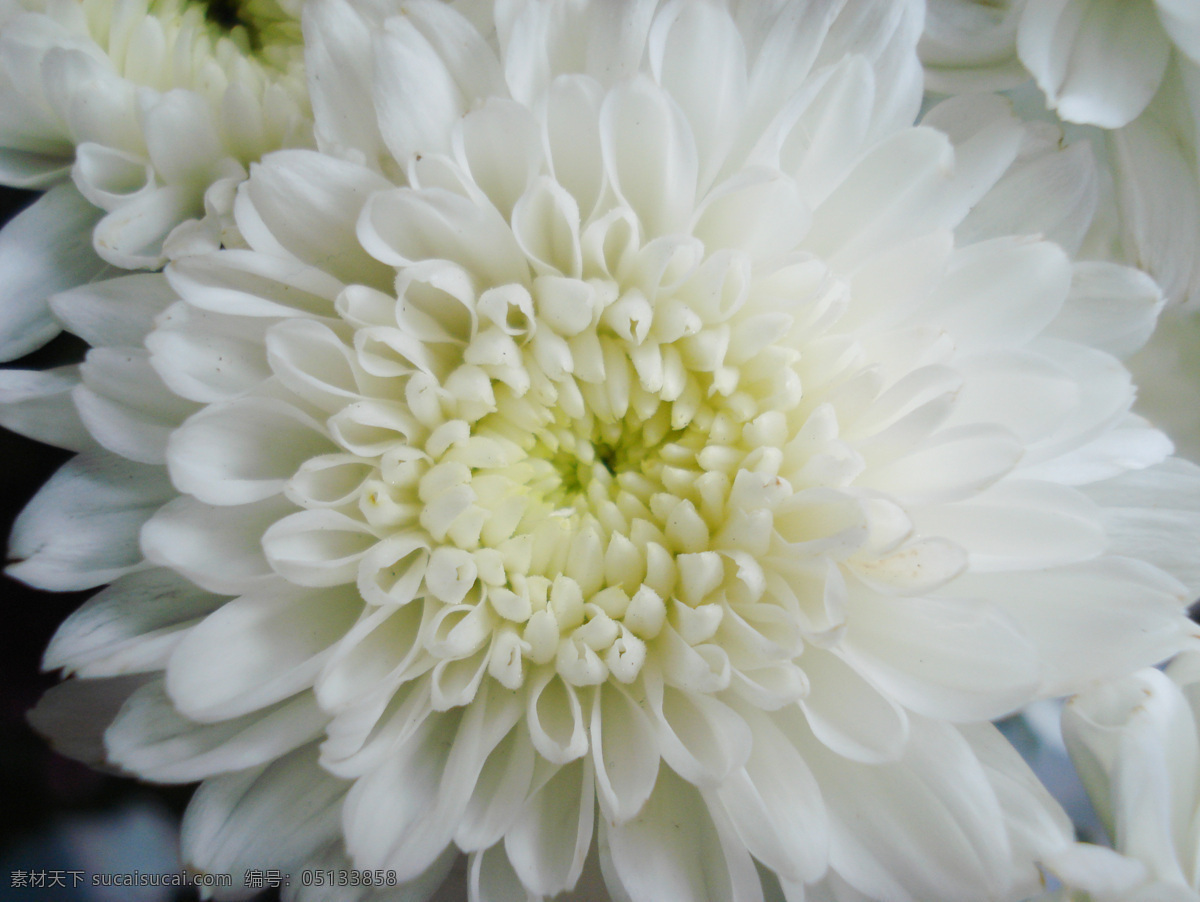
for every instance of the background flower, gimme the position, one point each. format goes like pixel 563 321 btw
pixel 1135 744
pixel 1130 68
pixel 128 113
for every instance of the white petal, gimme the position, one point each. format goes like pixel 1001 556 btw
pixel 956 463
pixel 1129 607
pixel 244 283
pixel 625 753
pixel 389 818
pixel 125 406
pixel 758 212
pixel 218 548
pixel 696 53
pixel 132 235
pixel 1000 293
pixel 309 204
pixel 81 529
pixel 1158 195
pixel 499 143
pixel 273 816
pixel 675 849
pixel 242 451
pixel 928 827
pixel 898 190
pixel 1019 524
pixel 650 155
pixel 208 357
pixel 549 840
pixel 1154 515
pixel 43 250
pixel 257 650
pixel 38 404
pixel 402 226
pixel 335 33
pixel 700 737
pixel 1110 307
pixel 131 626
pixel 949 658
pixel 317 548
pixel 117 312
pixel 417 120
pixel 776 806
pixel 152 740
pixel 848 713
pixel 1098 61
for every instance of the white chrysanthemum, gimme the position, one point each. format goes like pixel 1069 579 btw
pixel 1129 66
pixel 629 445
pixel 1136 744
pixel 129 111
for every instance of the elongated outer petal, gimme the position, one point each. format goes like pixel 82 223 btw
pixel 43 250
pixel 776 807
pixel 308 203
pixel 678 848
pixel 38 405
pixel 551 836
pixel 129 627
pixel 271 816
pixel 335 33
pixel 1098 61
pixel 1109 597
pixel 218 548
pixel 115 313
pixel 650 155
pixel 218 457
pixel 1110 307
pixel 949 658
pixel 1158 194
pixel 1154 515
pixel 126 406
pixel 257 650
pixel 150 738
pixel 385 818
pixel 81 529
pixel 904 831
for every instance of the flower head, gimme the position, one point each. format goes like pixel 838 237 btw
pixel 626 412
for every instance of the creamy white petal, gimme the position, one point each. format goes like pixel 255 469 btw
pixel 81 529
pixel 151 738
pixel 218 548
pixel 1120 593
pixel 270 816
pixel 115 313
pixel 1098 61
pixel 130 627
pixel 256 650
pixel 677 848
pixel 44 249
pixel 38 404
pixel 213 456
pixel 125 406
pixel 1110 307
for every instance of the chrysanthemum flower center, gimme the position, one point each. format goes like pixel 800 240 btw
pixel 594 470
